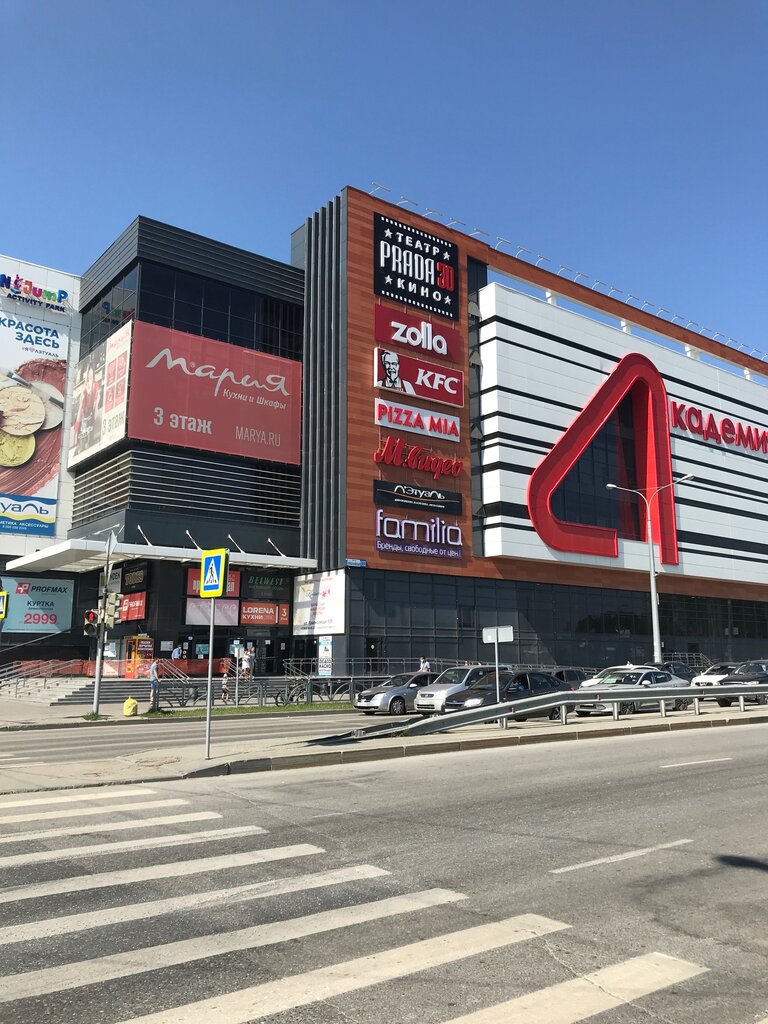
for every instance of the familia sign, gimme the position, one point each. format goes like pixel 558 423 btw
pixel 432 538
pixel 415 267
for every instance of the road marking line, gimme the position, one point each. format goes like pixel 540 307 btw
pixel 89 812
pixel 337 979
pixel 685 764
pixel 104 849
pixel 137 961
pixel 581 998
pixel 104 880
pixel 197 901
pixel 22 762
pixel 620 856
pixel 70 798
pixel 94 827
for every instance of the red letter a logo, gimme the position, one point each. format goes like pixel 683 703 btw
pixel 636 375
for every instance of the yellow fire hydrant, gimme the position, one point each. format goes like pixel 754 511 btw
pixel 130 707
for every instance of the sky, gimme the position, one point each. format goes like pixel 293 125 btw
pixel 623 140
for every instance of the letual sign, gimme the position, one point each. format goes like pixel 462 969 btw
pixel 415 267
pixel 412 496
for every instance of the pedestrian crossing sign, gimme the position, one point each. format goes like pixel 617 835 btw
pixel 213 572
pixel 3 603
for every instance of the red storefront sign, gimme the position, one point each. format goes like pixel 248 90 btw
pixel 408 331
pixel 396 452
pixel 133 606
pixel 264 613
pixel 197 393
pixel 394 372
pixel 193 583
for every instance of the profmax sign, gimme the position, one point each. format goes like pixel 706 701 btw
pixel 692 419
pixel 432 538
pixel 404 330
pixel 417 421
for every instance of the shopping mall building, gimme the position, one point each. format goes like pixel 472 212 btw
pixel 403 436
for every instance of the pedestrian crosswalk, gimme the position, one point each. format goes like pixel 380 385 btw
pixel 77 930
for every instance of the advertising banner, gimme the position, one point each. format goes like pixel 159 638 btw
pixel 38 605
pixel 325 655
pixel 417 421
pixel 199 612
pixel 264 613
pixel 135 577
pixel 34 340
pixel 406 330
pixel 133 607
pixel 261 586
pixel 432 538
pixel 396 372
pixel 193 582
pixel 415 267
pixel 319 602
pixel 100 396
pixel 430 499
pixel 197 393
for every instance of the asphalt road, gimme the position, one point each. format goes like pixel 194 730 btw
pixel 620 880
pixel 25 747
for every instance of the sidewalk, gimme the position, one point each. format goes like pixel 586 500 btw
pixel 237 756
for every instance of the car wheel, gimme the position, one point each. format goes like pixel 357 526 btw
pixel 761 700
pixel 582 714
pixel 369 712
pixel 682 705
pixel 397 707
pixel 554 715
pixel 627 709
pixel 521 718
pixel 724 702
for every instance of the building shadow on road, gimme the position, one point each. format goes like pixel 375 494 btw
pixel 742 862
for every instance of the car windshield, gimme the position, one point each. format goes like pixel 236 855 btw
pixel 620 678
pixel 715 670
pixel 399 680
pixel 749 668
pixel 451 675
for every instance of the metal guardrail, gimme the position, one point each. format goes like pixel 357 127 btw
pixel 566 701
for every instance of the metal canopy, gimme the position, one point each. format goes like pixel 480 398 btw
pixel 87 555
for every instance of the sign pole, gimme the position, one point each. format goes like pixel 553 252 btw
pixel 209 698
pixel 101 634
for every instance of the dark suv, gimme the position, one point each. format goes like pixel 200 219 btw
pixel 512 686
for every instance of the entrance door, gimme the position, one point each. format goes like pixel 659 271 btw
pixel 374 654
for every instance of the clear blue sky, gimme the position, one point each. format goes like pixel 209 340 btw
pixel 626 140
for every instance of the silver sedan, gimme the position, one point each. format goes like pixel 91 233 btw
pixel 644 680
pixel 395 695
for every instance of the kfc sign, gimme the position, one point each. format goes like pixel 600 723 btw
pixel 415 267
pixel 395 372
pixel 397 453
pixel 417 421
pixel 394 328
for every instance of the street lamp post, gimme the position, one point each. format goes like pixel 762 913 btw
pixel 647 499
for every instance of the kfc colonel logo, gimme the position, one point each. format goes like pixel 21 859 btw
pixel 404 330
pixel 409 376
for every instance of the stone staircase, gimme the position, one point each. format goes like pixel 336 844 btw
pixel 78 690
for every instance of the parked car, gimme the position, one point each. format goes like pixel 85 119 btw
pixel 571 675
pixel 713 675
pixel 677 668
pixel 644 679
pixel 430 700
pixel 748 673
pixel 608 675
pixel 395 695
pixel 512 686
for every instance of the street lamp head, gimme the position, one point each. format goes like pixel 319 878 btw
pixel 688 476
pixel 610 487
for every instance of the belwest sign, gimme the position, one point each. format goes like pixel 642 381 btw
pixel 396 329
pixel 416 377
pixel 197 393
pixel 395 452
pixel 415 267
pixel 417 421
pixel 691 419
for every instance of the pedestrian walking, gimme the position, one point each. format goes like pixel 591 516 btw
pixel 246 663
pixel 225 688
pixel 424 665
pixel 154 687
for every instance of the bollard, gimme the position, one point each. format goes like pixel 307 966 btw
pixel 741 703
pixel 504 723
pixel 615 711
pixel 563 714
pixel 697 705
pixel 663 707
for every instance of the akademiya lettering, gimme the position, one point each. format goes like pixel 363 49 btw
pixel 274 382
pixel 692 420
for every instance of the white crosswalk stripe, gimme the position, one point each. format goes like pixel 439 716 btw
pixel 110 826
pixel 137 961
pixel 108 793
pixel 175 904
pixel 89 812
pixel 103 849
pixel 178 868
pixel 352 975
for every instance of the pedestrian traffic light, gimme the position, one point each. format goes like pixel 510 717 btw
pixel 91 622
pixel 112 612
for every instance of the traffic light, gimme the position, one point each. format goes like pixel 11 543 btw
pixel 91 622
pixel 112 613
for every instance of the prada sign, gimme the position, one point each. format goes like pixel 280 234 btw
pixel 415 267
pixel 431 499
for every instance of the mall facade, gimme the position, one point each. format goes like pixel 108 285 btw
pixel 403 436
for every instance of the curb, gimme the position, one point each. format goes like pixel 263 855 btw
pixel 358 754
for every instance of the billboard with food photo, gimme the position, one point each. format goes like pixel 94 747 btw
pixel 33 370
